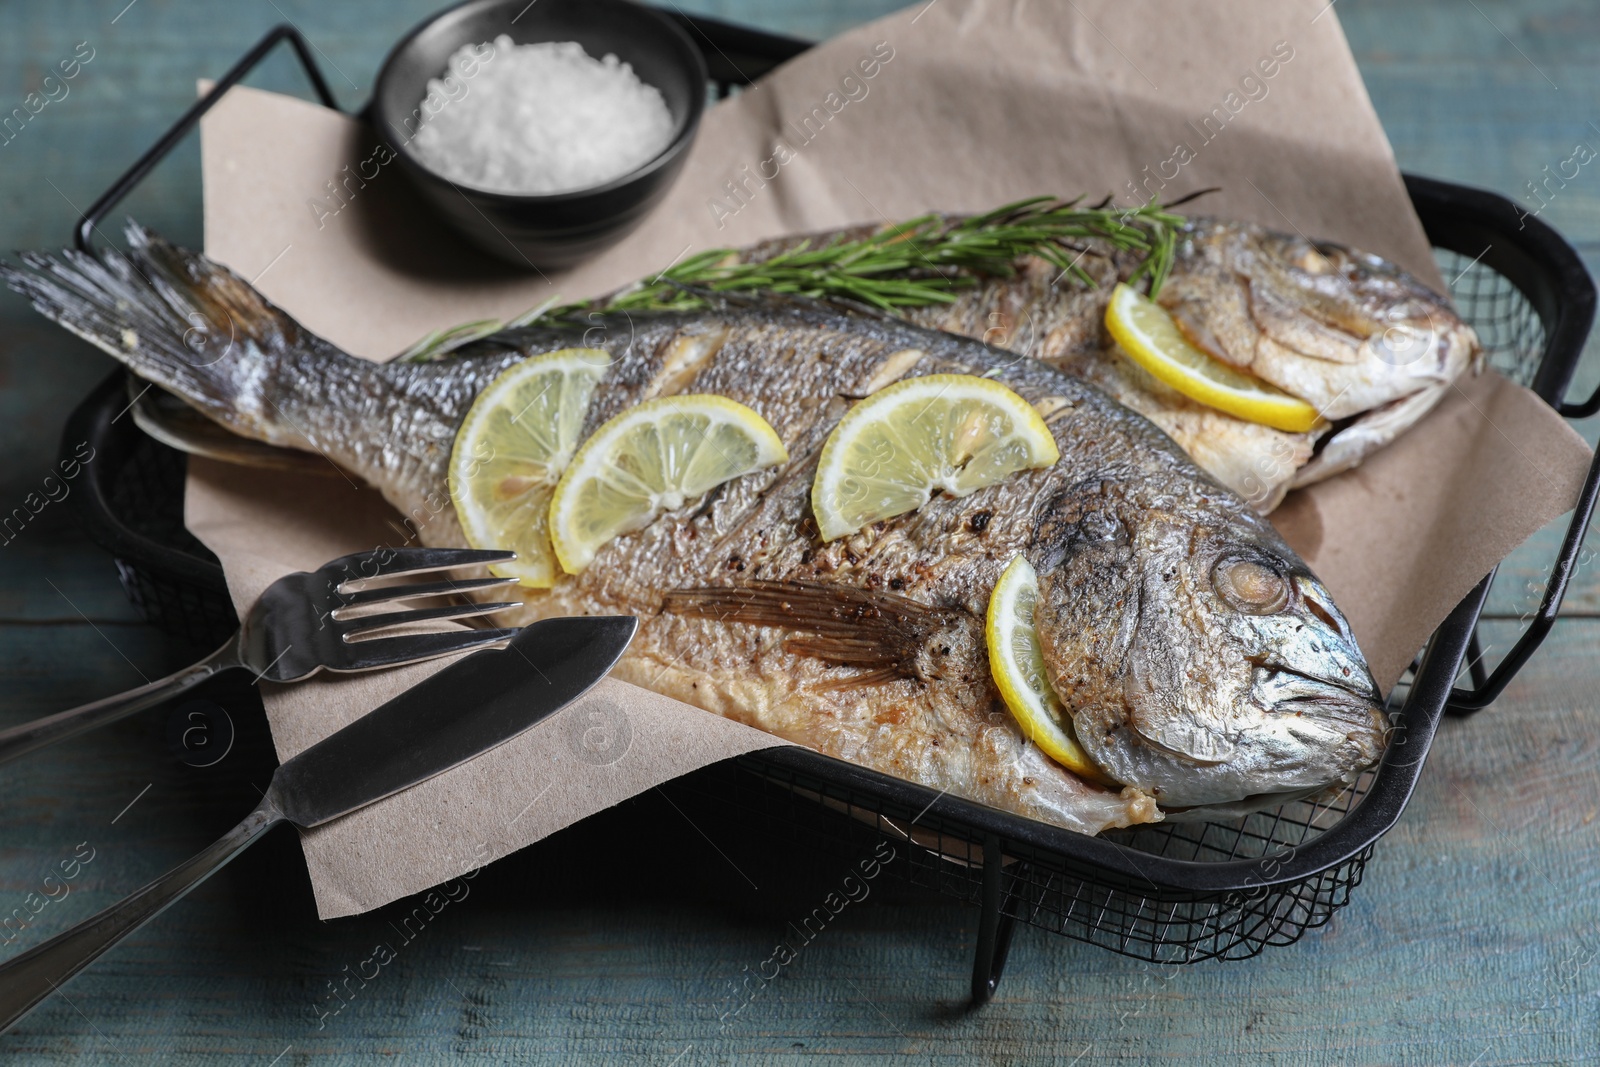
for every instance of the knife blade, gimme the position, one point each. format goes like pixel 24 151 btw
pixel 476 704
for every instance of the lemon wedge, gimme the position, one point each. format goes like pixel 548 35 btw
pixel 512 448
pixel 653 458
pixel 1018 668
pixel 952 432
pixel 1149 336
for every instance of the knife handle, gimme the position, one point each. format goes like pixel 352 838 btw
pixel 35 974
pixel 30 736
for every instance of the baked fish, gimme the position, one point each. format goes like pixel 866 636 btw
pixel 1365 343
pixel 1201 662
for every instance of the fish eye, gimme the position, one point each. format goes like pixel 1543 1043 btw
pixel 1250 585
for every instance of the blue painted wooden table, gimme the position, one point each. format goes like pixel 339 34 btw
pixel 1475 938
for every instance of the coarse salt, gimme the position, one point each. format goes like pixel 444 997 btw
pixel 540 118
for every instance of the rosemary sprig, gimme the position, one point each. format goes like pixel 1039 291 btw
pixel 924 261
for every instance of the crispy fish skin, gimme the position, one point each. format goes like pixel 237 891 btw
pixel 1201 661
pixel 1368 345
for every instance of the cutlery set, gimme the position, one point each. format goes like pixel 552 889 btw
pixel 305 623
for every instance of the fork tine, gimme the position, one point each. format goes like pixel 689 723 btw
pixel 372 623
pixel 413 648
pixel 407 592
pixel 386 561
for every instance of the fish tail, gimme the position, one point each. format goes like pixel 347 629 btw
pixel 179 320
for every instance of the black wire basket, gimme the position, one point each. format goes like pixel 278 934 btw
pixel 1170 893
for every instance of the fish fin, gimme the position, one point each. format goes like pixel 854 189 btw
pixel 173 317
pixel 1185 741
pixel 881 676
pixel 882 633
pixel 178 425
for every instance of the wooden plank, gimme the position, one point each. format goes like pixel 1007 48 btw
pixel 620 939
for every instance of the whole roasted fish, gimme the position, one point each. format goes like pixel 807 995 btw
pixel 1201 661
pixel 1366 344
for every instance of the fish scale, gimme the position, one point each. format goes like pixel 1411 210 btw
pixel 870 647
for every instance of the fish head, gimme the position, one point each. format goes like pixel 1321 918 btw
pixel 1345 330
pixel 1198 657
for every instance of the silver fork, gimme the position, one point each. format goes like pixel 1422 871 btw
pixel 298 627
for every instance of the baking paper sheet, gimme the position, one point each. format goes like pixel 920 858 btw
pixel 957 105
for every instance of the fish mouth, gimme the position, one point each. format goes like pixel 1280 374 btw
pixel 1286 689
pixel 1324 674
pixel 1320 731
pixel 1321 694
pixel 1320 711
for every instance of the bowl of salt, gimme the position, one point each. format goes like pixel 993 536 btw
pixel 542 132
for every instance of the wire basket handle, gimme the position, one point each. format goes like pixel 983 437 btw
pixel 1548 272
pixel 83 236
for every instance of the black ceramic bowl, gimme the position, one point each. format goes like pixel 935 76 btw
pixel 555 229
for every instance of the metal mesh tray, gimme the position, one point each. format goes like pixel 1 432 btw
pixel 1174 892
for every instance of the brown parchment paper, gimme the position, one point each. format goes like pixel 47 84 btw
pixel 952 105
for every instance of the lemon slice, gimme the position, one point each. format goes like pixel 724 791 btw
pixel 1018 669
pixel 952 432
pixel 1149 336
pixel 512 449
pixel 653 458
